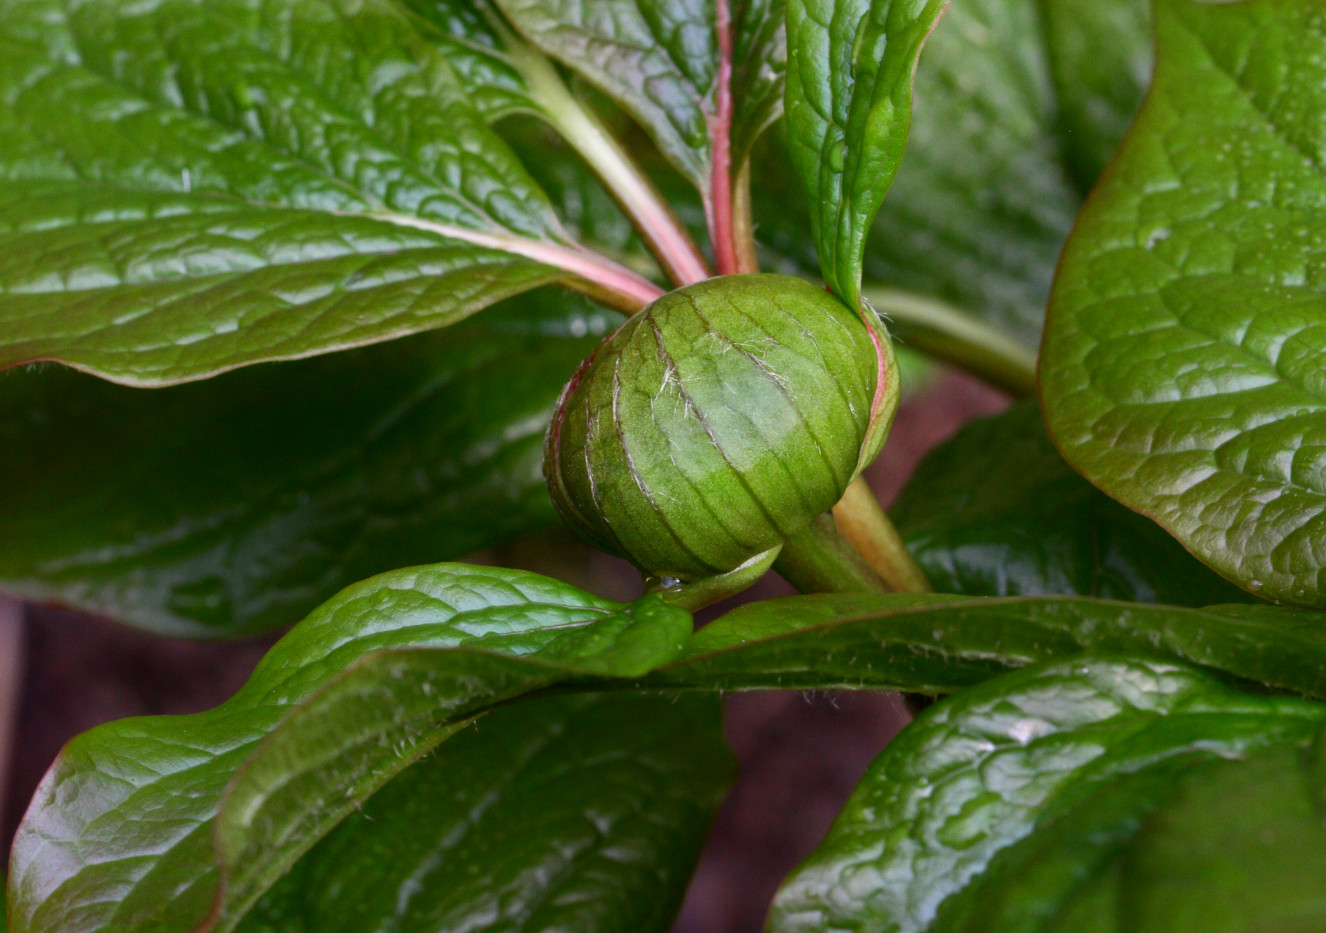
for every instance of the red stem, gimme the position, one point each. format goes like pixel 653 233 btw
pixel 719 203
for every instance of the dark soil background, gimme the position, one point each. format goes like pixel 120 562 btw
pixel 800 754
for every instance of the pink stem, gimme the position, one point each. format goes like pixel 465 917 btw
pixel 608 281
pixel 719 203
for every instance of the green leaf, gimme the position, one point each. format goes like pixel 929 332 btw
pixel 190 187
pixel 1067 869
pixel 570 812
pixel 467 39
pixel 330 716
pixel 587 210
pixel 973 776
pixel 1241 848
pixel 996 511
pixel 941 644
pixel 1017 104
pixel 239 504
pixel 1181 365
pixel 703 77
pixel 1099 57
pixel 121 833
pixel 987 194
pixel 849 93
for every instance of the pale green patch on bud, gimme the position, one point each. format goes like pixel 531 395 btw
pixel 719 421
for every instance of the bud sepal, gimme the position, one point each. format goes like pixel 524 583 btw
pixel 718 422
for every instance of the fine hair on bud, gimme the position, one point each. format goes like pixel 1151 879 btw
pixel 719 421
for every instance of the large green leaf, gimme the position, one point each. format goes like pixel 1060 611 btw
pixel 941 644
pixel 1183 844
pixel 1181 369
pixel 156 824
pixel 1065 874
pixel 1017 104
pixel 1203 866
pixel 572 812
pixel 587 210
pixel 120 834
pixel 997 511
pixel 849 94
pixel 477 51
pixel 702 76
pixel 192 186
pixel 240 503
pixel 1099 59
pixel 975 775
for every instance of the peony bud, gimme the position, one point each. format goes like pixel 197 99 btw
pixel 719 421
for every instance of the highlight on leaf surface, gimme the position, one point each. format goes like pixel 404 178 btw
pixel 1181 370
pixel 1001 808
pixel 191 187
pixel 718 422
pixel 173 824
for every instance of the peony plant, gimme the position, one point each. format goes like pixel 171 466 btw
pixel 304 301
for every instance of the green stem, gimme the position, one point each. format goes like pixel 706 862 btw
pixel 818 560
pixel 962 339
pixel 743 223
pixel 662 232
pixel 866 527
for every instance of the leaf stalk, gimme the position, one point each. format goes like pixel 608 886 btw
pixel 595 274
pixel 721 200
pixel 743 223
pixel 947 333
pixel 658 226
pixel 818 560
pixel 866 527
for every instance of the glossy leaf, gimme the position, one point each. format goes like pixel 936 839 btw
pixel 569 812
pixel 239 504
pixel 849 93
pixel 393 666
pixel 974 775
pixel 191 187
pixel 1065 874
pixel 1017 103
pixel 702 76
pixel 1099 56
pixel 1204 865
pixel 329 717
pixel 476 50
pixel 996 511
pixel 587 210
pixel 1187 843
pixel 941 644
pixel 1181 366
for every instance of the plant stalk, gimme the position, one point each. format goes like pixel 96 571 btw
pixel 743 223
pixel 662 232
pixel 866 527
pixel 943 331
pixel 722 205
pixel 818 560
pixel 595 274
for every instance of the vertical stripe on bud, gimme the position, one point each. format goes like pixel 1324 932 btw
pixel 717 422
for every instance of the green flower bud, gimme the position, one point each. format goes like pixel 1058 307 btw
pixel 719 421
